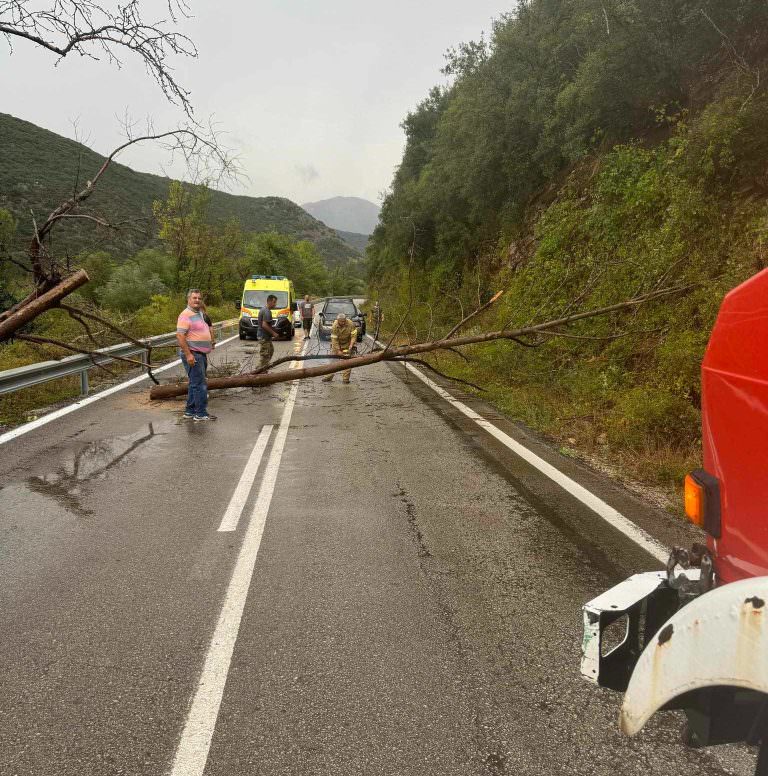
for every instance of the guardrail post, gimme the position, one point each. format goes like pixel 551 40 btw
pixel 84 382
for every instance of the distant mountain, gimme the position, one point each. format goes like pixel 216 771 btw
pixel 38 169
pixel 357 241
pixel 350 214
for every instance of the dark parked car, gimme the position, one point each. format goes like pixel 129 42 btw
pixel 332 307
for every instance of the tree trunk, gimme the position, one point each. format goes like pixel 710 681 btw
pixel 255 380
pixel 42 303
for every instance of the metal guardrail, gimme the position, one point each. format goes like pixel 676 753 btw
pixel 33 374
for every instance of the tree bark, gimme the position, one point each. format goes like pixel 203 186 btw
pixel 43 302
pixel 252 380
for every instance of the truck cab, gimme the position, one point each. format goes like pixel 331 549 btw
pixel 694 636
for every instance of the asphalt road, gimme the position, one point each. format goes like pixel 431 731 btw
pixel 401 594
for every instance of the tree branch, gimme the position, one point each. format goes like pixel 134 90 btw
pixel 427 365
pixel 38 304
pixel 66 346
pixel 392 354
pixel 472 315
pixel 87 28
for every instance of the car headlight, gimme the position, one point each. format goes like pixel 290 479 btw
pixel 245 315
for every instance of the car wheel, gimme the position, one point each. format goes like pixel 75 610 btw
pixel 242 336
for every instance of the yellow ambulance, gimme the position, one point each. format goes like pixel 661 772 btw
pixel 255 292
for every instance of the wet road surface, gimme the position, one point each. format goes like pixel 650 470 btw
pixel 414 607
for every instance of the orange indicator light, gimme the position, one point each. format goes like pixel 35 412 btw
pixel 694 501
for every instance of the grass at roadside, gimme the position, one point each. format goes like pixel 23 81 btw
pixel 653 469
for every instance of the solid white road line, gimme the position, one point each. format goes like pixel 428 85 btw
pixel 240 496
pixel 192 752
pixel 589 499
pixel 78 405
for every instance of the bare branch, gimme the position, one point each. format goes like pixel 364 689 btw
pixel 90 29
pixel 477 312
pixel 85 216
pixel 607 24
pixel 738 59
pixel 19 264
pixel 94 317
pixel 600 337
pixel 427 365
pixel 67 346
pixel 199 148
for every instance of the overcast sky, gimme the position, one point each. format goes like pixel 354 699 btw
pixel 311 94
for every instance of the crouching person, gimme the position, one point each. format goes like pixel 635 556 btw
pixel 343 341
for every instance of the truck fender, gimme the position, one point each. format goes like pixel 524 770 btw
pixel 719 639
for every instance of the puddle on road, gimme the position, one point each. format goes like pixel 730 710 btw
pixel 67 484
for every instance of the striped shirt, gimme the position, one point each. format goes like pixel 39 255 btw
pixel 196 330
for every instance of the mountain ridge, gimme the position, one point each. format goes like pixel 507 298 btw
pixel 347 214
pixel 38 169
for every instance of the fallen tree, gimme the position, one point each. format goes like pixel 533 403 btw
pixel 404 353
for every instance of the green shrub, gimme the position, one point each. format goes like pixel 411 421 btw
pixel 130 288
pixel 645 414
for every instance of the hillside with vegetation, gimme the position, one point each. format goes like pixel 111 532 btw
pixel 588 151
pixel 174 236
pixel 356 240
pixel 38 169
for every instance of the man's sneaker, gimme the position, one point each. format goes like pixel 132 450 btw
pixel 205 417
pixel 187 416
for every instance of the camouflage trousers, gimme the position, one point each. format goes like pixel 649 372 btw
pixel 266 351
pixel 345 374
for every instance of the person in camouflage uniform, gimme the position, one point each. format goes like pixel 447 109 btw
pixel 265 331
pixel 343 342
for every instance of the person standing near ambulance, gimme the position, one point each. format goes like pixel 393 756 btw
pixel 195 343
pixel 266 331
pixel 307 315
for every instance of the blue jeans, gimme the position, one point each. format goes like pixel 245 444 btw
pixel 197 393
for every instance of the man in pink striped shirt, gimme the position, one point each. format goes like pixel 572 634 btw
pixel 194 337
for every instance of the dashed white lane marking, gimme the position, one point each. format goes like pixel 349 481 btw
pixel 589 499
pixel 78 405
pixel 195 743
pixel 240 496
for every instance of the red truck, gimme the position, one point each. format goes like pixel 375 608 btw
pixel 694 636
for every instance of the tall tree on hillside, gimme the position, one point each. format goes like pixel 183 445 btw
pixel 203 253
